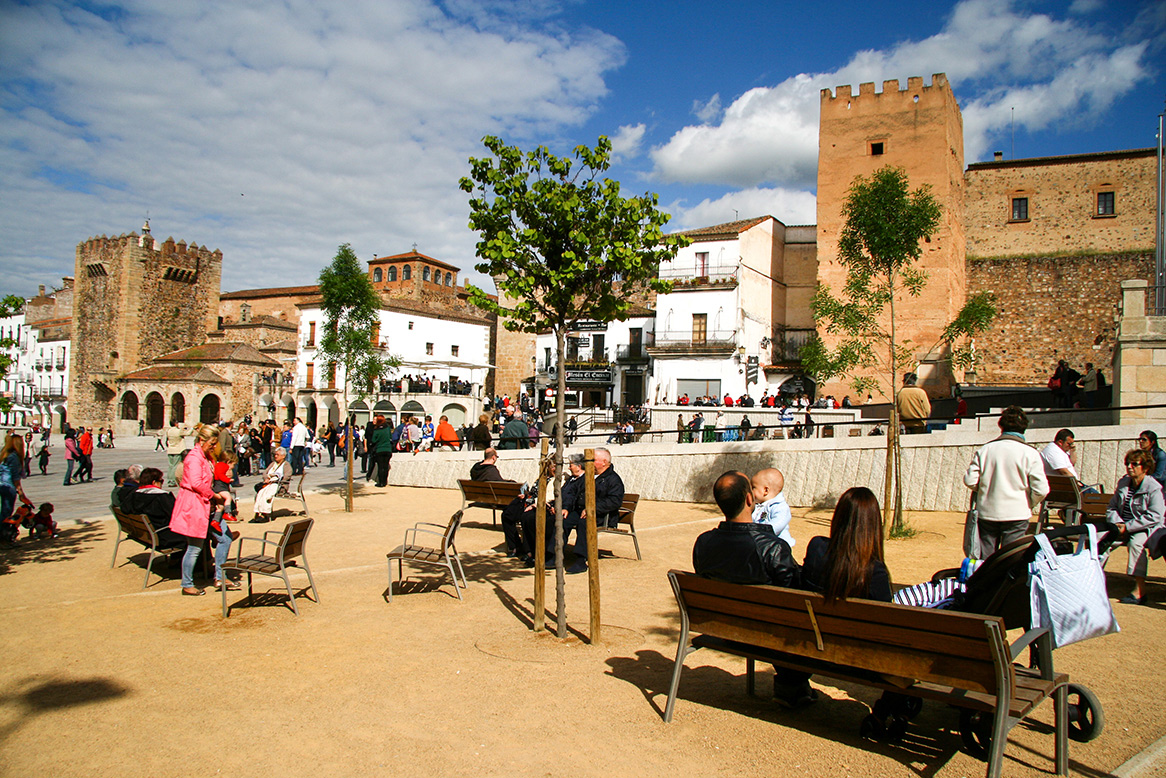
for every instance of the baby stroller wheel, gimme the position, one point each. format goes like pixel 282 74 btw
pixel 976 731
pixel 912 706
pixel 872 728
pixel 1086 719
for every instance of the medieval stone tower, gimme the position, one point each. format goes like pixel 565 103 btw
pixel 135 299
pixel 512 352
pixel 919 129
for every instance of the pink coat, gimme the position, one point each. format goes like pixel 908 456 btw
pixel 192 504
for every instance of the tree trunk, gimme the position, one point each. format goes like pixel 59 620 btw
pixel 348 507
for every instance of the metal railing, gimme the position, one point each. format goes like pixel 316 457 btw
pixel 678 338
pixel 687 272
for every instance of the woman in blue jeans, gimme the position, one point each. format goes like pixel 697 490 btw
pixel 11 470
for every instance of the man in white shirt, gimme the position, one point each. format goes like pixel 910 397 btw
pixel 1057 455
pixel 299 443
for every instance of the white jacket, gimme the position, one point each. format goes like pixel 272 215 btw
pixel 1009 478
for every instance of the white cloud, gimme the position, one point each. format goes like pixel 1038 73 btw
pixel 707 111
pixel 626 143
pixel 789 206
pixel 338 122
pixel 994 55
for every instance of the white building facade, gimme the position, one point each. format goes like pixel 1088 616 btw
pixel 444 363
pixel 606 363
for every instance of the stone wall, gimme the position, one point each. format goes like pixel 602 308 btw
pixel 1140 362
pixel 1062 204
pixel 816 471
pixel 1051 308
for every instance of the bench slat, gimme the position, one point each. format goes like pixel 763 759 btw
pixel 957 624
pixel 853 652
pixel 830 626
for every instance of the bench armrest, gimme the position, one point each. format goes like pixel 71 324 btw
pixel 262 540
pixel 1041 641
pixel 412 533
pixel 428 524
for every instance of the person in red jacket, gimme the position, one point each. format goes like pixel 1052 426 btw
pixel 85 444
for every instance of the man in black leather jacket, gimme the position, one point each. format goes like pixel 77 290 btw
pixel 609 491
pixel 737 550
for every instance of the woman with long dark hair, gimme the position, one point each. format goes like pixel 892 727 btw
pixel 1148 442
pixel 847 564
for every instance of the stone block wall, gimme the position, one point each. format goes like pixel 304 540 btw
pixel 1051 308
pixel 1062 204
pixel 1140 362
pixel 816 471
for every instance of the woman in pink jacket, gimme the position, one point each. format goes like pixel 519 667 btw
pixel 192 506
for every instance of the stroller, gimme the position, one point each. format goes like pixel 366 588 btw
pixel 1000 587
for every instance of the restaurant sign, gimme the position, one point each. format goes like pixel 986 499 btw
pixel 589 376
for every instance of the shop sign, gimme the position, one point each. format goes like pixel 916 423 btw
pixel 590 326
pixel 589 376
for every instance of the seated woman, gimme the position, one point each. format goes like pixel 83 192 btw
pixel 279 470
pixel 1135 511
pixel 156 503
pixel 847 564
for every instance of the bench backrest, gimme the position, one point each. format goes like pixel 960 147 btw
pixel 502 492
pixel 295 535
pixel 1063 490
pixel 627 509
pixel 450 533
pixel 965 651
pixel 1094 506
pixel 136 526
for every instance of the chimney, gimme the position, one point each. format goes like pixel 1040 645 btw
pixel 41 291
pixel 998 156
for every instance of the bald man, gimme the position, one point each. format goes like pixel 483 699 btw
pixel 769 505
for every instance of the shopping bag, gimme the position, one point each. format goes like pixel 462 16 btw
pixel 1067 592
pixel 971 532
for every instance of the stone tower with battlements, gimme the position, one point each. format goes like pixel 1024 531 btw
pixel 135 299
pixel 919 129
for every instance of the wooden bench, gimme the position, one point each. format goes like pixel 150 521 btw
pixel 627 516
pixel 494 495
pixel 137 527
pixel 956 658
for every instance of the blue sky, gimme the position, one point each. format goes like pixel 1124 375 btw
pixel 275 130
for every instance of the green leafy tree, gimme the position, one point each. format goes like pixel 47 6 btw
pixel 565 245
pixel 879 246
pixel 351 310
pixel 9 306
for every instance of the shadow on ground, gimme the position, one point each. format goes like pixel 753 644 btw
pixel 68 544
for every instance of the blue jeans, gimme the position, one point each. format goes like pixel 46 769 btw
pixel 222 551
pixel 68 471
pixel 189 560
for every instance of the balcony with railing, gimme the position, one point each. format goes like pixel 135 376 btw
pixel 635 352
pixel 696 342
pixel 690 276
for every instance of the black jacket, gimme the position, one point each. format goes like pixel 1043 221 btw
pixel 482 471
pixel 878 585
pixel 574 494
pixel 744 553
pixel 608 496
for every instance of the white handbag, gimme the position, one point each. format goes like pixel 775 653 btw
pixel 1067 592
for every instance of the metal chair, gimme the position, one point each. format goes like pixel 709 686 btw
pixel 444 555
pixel 288 552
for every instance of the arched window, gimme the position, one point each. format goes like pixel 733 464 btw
pixel 392 273
pixel 406 272
pixel 178 408
pixel 376 275
pixel 449 279
pixel 425 273
pixel 209 409
pixel 129 406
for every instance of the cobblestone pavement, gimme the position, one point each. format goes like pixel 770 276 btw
pixel 90 501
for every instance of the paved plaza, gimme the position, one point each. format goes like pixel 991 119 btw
pixel 102 678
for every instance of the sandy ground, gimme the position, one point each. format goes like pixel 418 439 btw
pixel 101 678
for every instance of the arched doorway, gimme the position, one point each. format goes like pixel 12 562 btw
pixel 309 414
pixel 129 406
pixel 413 408
pixel 386 409
pixel 456 414
pixel 208 412
pixel 62 418
pixel 359 412
pixel 155 411
pixel 178 408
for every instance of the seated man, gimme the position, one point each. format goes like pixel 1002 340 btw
pixel 571 492
pixel 609 493
pixel 487 469
pixel 737 550
pixel 128 486
pixel 156 503
pixel 445 436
